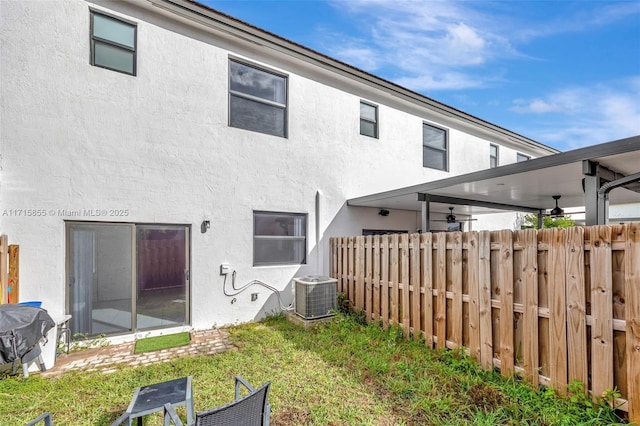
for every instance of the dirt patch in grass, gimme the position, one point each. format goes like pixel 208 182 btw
pixel 485 398
pixel 289 417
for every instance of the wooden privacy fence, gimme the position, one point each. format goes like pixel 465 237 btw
pixel 9 271
pixel 550 305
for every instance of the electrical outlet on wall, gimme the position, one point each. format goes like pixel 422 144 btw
pixel 225 269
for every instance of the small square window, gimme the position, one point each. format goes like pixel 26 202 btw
pixel 368 120
pixel 257 99
pixel 279 238
pixel 493 156
pixel 522 157
pixel 434 147
pixel 113 44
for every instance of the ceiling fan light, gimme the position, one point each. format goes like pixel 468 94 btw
pixel 557 212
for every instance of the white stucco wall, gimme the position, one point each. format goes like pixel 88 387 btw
pixel 157 145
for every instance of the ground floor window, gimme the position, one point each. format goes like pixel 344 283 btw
pixel 279 238
pixel 126 277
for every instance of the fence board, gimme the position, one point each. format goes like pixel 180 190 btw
pixel 405 307
pixel 484 281
pixel 368 276
pixel 601 310
pixel 376 277
pixel 13 282
pixel 456 287
pixel 415 285
pixel 426 244
pixel 529 276
pixel 394 296
pixel 577 367
pixel 632 316
pixel 384 278
pixel 504 277
pixel 556 265
pixel 440 284
pixel 473 270
pixel 358 249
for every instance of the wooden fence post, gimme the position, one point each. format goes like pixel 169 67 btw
pixel 384 280
pixel 530 357
pixel 404 304
pixel 632 316
pixel 473 271
pixel 440 278
pixel 427 283
pixel 395 278
pixel 556 264
pixel 484 300
pixel 415 286
pixel 13 282
pixel 456 288
pixel 601 311
pixel 368 276
pixel 504 277
pixel 576 307
pixel 376 277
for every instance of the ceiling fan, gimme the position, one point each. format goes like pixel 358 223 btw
pixel 451 218
pixel 558 212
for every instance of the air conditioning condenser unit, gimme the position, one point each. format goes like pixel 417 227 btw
pixel 316 296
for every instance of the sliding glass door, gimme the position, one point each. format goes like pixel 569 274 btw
pixel 126 277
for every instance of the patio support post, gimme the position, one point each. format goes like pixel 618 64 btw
pixel 425 212
pixel 540 219
pixel 591 186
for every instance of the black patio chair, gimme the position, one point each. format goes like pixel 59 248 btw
pixel 252 409
pixel 45 417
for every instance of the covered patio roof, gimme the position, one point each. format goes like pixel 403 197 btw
pixel 578 176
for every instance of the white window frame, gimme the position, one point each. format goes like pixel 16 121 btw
pixel 444 151
pixel 494 159
pixel 301 228
pixel 240 95
pixel 520 158
pixel 93 39
pixel 368 120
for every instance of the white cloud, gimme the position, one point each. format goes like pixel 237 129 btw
pixel 430 44
pixel 583 116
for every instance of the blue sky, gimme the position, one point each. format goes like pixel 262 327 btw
pixel 564 73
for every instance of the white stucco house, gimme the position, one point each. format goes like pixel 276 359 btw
pixel 147 144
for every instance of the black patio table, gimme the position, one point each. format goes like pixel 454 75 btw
pixel 152 398
pixel 21 328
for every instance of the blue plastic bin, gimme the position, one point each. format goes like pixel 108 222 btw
pixel 34 303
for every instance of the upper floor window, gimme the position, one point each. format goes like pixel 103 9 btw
pixel 279 238
pixel 113 44
pixel 368 120
pixel 434 147
pixel 257 99
pixel 493 155
pixel 522 157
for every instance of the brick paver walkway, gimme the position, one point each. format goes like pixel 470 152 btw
pixel 106 358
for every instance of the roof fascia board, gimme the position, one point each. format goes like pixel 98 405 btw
pixel 209 17
pixel 587 153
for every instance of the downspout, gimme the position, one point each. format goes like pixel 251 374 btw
pixel 603 195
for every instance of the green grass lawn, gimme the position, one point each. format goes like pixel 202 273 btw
pixel 149 344
pixel 340 373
